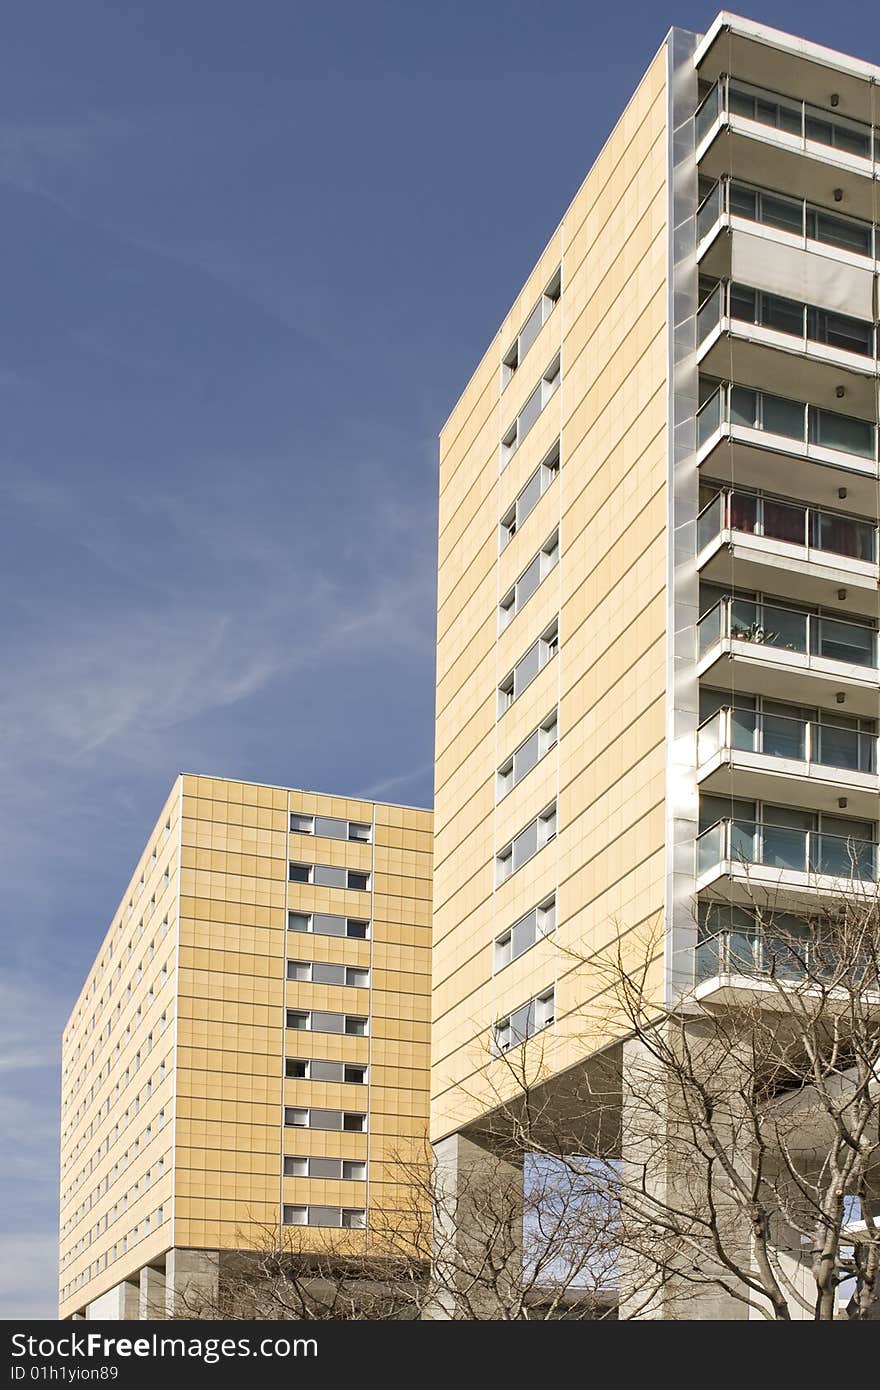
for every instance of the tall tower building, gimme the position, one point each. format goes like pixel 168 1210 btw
pixel 657 683
pixel 250 1049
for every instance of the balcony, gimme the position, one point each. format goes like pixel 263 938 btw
pixel 788 653
pixel 789 144
pixel 794 223
pixel 789 345
pixel 739 962
pixel 764 755
pixel 798 552
pixel 798 448
pixel 787 863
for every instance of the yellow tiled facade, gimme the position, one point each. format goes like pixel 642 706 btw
pixel 607 500
pixel 175 1093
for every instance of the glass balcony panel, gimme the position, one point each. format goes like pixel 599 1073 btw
pixel 839 231
pixel 841 535
pixel 782 737
pixel 779 416
pixel 708 113
pixel 784 523
pixel 841 331
pixel 710 847
pixel 708 958
pixel 709 418
pixel 780 627
pixel 744 512
pixel 741 952
pixel 743 202
pixel 709 628
pixel 710 736
pixel 709 312
pixel 710 521
pixel 844 857
pixel 784 213
pixel 743 841
pixel 744 729
pixel 784 315
pixel 844 432
pixel 744 622
pixel 709 211
pixel 783 956
pixel 840 641
pixel 744 407
pixel 783 848
pixel 845 748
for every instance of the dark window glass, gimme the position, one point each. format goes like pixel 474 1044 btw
pixel 838 231
pixel 299 873
pixel 841 331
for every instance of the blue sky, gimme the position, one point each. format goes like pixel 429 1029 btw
pixel 251 254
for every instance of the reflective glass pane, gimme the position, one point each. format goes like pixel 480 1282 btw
pixel 783 738
pixel 783 522
pixel 782 213
pixel 783 848
pixel 843 432
pixel 783 417
pixel 840 641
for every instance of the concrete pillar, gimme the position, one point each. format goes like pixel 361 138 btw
pixel 119 1304
pixel 663 1176
pixel 192 1282
pixel 478 1231
pixel 152 1294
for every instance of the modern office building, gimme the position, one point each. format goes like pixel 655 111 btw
pixel 657 684
pixel 250 1050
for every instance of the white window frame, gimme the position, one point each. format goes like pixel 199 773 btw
pixel 548 737
pixel 503 953
pixel 545 390
pixel 545 824
pixel 342 936
pixel 547 472
pixel 548 648
pixel 513 601
pixel 544 307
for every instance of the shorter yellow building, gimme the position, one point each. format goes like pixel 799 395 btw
pixel 250 1050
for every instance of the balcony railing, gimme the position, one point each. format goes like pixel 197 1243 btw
pixel 809 125
pixel 755 953
pixel 804 323
pixel 756 843
pixel 799 218
pixel 787 629
pixel 798 421
pixel 782 736
pixel 832 533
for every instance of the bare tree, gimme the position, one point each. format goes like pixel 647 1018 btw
pixel 720 1157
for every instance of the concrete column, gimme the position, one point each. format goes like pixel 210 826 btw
pixel 478 1231
pixel 119 1304
pixel 192 1282
pixel 663 1176
pixel 152 1294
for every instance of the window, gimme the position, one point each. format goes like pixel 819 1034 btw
pixel 355 1027
pixel 349 1170
pixel 529 753
pixel 532 326
pixel 296 1117
pixel 514 436
pixel 518 596
pixel 330 827
pixel 354 1075
pixel 322 1021
pixel 526 844
pixel 298 1021
pixel 538 923
pixel 329 876
pixel 326 973
pixel 296 1069
pixel 525 1021
pixel 326 924
pixel 530 495
pixel 346 1217
pixel 528 667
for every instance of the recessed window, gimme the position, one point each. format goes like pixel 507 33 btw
pixel 529 753
pixel 353 1170
pixel 519 594
pixel 523 1023
pixel 534 926
pixel 329 876
pixel 295 1167
pixel 330 827
pixel 516 433
pixel 298 1020
pixel 354 1075
pixel 528 667
pixel 527 499
pixel 339 1217
pixel 326 924
pixel 532 327
pixel 296 1068
pixel 532 838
